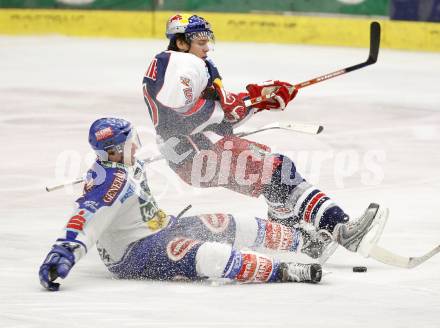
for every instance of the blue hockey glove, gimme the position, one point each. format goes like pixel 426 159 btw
pixel 58 263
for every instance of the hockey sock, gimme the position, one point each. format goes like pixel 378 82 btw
pixel 277 236
pixel 251 267
pixel 313 206
pixel 292 199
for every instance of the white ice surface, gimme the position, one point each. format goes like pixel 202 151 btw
pixel 52 88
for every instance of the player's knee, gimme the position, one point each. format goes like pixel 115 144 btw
pixel 218 227
pixel 246 231
pixel 212 258
pixel 284 179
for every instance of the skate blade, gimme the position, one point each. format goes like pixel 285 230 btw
pixel 375 232
pixel 329 251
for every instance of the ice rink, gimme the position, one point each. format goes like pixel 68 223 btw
pixel 380 144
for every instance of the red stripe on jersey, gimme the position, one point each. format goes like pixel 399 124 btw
pixel 311 205
pixel 152 106
pixel 76 222
pixel 199 104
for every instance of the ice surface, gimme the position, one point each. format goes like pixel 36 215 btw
pixel 380 143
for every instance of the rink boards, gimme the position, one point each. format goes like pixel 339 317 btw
pixel 312 30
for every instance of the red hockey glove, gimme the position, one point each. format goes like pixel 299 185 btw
pixel 282 90
pixel 232 103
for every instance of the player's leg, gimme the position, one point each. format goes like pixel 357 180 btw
pixel 223 261
pixel 230 162
pixel 258 233
pixel 240 231
pixel 216 227
pixel 293 200
pixel 249 168
pixel 246 231
pixel 290 198
pixel 162 256
pixel 165 256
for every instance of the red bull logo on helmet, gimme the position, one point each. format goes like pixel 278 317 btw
pixel 103 134
pixel 175 18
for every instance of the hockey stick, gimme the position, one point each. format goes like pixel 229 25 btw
pixel 79 180
pixel 387 257
pixel 289 126
pixel 63 185
pixel 372 58
pixel 370 248
pixel 183 211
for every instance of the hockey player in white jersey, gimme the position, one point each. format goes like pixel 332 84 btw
pixel 193 115
pixel 136 239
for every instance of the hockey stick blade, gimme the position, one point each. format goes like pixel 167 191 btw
pixel 374 48
pixel 372 58
pixel 387 257
pixel 374 42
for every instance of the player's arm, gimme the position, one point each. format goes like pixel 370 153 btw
pixel 81 232
pixel 232 104
pixel 184 80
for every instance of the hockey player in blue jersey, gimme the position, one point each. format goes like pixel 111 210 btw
pixel 193 115
pixel 136 239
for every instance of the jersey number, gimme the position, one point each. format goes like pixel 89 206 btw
pixel 151 72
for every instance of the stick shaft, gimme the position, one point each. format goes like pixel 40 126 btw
pixel 372 58
pixel 63 185
pixel 290 126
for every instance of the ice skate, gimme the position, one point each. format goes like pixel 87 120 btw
pixel 298 272
pixel 315 242
pixel 319 245
pixel 362 234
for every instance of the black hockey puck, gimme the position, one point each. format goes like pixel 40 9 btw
pixel 359 269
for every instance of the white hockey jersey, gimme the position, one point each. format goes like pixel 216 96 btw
pixel 116 210
pixel 173 85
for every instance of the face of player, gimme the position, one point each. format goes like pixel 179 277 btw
pixel 133 149
pixel 130 148
pixel 198 47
